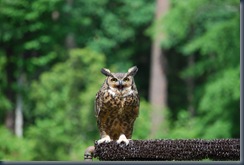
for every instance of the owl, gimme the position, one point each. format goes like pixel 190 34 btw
pixel 117 106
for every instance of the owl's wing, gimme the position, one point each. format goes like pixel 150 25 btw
pixel 97 104
pixel 138 103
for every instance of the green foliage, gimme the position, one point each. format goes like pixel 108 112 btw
pixel 26 44
pixel 61 83
pixel 5 103
pixel 142 126
pixel 115 26
pixel 66 111
pixel 184 127
pixel 59 89
pixel 208 31
pixel 13 148
pixel 222 97
pixel 23 12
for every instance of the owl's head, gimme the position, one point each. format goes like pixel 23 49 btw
pixel 120 84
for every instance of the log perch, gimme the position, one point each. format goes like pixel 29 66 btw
pixel 170 150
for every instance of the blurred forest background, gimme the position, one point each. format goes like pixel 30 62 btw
pixel 51 53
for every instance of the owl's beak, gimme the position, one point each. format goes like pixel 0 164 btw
pixel 120 85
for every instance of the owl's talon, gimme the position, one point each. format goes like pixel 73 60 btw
pixel 122 138
pixel 106 139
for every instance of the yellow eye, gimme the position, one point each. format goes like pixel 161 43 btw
pixel 113 79
pixel 126 79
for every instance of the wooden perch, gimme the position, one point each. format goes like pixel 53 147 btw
pixel 169 150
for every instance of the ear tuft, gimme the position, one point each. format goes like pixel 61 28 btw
pixel 106 72
pixel 132 71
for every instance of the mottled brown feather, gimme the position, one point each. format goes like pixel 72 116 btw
pixel 116 114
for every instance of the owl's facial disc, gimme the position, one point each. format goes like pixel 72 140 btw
pixel 120 84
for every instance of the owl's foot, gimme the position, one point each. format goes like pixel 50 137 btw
pixel 105 139
pixel 122 138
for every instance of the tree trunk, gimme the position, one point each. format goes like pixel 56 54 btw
pixel 190 88
pixel 70 38
pixel 9 118
pixel 158 79
pixel 19 107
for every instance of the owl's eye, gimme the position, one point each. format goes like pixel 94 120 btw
pixel 113 79
pixel 126 79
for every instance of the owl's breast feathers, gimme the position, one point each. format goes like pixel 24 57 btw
pixel 115 114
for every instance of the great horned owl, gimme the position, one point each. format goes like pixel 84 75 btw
pixel 117 106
